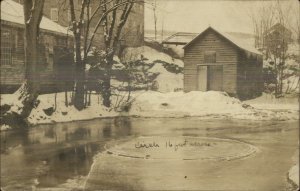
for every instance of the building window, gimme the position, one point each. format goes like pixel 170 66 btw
pixel 6 47
pixel 209 57
pixel 54 14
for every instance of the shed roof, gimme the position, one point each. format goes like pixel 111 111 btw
pixel 240 43
pixel 13 12
pixel 180 38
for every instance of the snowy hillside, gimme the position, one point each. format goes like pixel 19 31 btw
pixel 169 70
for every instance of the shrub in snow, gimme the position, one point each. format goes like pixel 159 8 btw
pixel 170 67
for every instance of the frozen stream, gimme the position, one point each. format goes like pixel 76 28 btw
pixel 150 154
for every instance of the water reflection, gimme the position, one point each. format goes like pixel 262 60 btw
pixel 48 155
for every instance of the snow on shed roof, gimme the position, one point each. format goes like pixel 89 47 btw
pixel 242 44
pixel 13 12
pixel 180 38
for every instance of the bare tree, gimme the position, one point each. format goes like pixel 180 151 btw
pixel 33 12
pixel 113 23
pixel 112 31
pixel 272 37
pixel 77 27
pixel 155 19
pixel 262 21
pixel 29 90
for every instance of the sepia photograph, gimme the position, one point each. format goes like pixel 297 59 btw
pixel 149 95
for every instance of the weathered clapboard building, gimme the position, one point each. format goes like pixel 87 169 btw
pixel 55 50
pixel 217 61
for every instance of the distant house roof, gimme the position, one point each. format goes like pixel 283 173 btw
pixel 240 43
pixel 180 38
pixel 278 27
pixel 13 12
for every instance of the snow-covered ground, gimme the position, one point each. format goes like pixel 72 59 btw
pixel 156 104
pixel 268 101
pixel 205 104
pixel 294 174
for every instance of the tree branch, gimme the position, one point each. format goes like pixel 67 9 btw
pixel 124 18
pixel 111 29
pixel 101 20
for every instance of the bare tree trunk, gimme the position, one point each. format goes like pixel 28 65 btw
pixel 28 92
pixel 80 64
pixel 33 11
pixel 66 99
pixel 90 97
pixel 106 81
pixel 30 89
pixel 79 78
pixel 111 46
pixel 55 101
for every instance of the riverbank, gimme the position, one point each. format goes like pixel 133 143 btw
pixel 293 176
pixel 52 107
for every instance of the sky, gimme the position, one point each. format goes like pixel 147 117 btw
pixel 196 15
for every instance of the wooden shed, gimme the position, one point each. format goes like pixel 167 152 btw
pixel 216 61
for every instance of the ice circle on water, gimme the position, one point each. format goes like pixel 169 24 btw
pixel 182 148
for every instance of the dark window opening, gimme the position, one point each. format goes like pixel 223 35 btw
pixel 209 57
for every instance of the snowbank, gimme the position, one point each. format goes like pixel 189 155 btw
pixel 167 82
pixel 150 54
pixel 294 174
pixel 11 100
pixel 205 104
pixel 153 104
pixel 47 113
pixel 268 101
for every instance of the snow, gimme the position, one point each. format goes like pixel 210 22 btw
pixel 13 12
pixel 294 174
pixel 13 101
pixel 149 53
pixel 180 37
pixel 155 104
pixel 63 113
pixel 4 127
pixel 293 48
pixel 204 104
pixel 167 82
pixel 268 101
pixel 174 104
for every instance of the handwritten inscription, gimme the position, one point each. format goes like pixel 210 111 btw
pixel 172 144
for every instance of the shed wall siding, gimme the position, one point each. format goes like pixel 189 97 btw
pixel 226 55
pixel 250 82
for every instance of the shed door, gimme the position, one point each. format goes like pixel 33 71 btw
pixel 215 78
pixel 202 78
